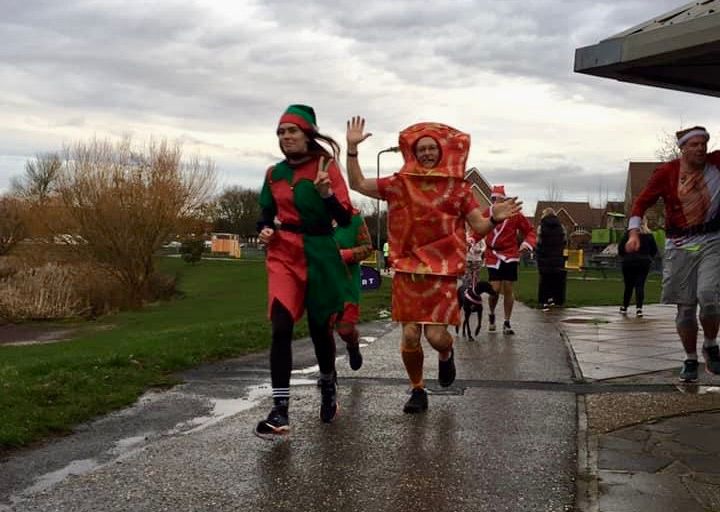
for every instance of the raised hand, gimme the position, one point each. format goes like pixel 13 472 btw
pixel 502 210
pixel 322 184
pixel 356 132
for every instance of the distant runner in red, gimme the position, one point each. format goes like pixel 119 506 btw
pixel 502 254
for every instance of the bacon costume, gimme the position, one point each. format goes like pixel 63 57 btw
pixel 426 226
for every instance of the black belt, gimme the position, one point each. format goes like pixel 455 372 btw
pixel 317 230
pixel 710 226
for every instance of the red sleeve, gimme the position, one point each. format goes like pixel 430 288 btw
pixel 527 230
pixel 339 187
pixel 383 185
pixel 470 202
pixel 654 189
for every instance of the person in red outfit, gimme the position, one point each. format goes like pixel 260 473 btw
pixel 502 254
pixel 690 188
pixel 429 203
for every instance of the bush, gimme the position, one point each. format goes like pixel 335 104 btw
pixel 191 250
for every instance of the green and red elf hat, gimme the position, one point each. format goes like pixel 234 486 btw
pixel 302 116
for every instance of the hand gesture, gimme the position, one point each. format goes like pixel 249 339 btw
pixel 266 234
pixel 505 209
pixel 356 132
pixel 633 243
pixel 322 184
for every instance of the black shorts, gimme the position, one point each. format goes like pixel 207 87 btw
pixel 507 271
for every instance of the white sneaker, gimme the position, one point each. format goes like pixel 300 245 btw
pixel 623 310
pixel 639 313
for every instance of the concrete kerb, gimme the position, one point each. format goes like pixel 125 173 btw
pixel 586 482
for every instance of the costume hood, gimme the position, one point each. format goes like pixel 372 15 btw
pixel 454 149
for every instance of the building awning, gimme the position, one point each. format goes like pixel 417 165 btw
pixel 678 50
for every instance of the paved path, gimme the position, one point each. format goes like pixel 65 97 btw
pixel 501 439
pixel 667 458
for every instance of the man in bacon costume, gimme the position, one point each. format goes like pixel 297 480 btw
pixel 429 203
pixel 502 254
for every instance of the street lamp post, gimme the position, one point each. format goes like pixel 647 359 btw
pixel 392 149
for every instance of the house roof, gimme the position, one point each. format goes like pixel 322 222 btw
pixel 638 175
pixel 580 213
pixel 677 50
pixel 479 182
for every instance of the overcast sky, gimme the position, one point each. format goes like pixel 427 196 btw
pixel 217 74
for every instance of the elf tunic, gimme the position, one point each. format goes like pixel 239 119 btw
pixel 355 245
pixel 303 263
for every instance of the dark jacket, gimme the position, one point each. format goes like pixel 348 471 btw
pixel 648 249
pixel 550 245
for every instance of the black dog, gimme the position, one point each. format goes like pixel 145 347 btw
pixel 470 301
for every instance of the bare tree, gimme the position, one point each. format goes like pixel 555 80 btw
pixel 123 203
pixel 668 149
pixel 40 179
pixel 12 223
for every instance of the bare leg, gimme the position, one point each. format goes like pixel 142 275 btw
pixel 412 354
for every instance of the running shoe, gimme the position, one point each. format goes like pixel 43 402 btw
pixel 418 402
pixel 275 425
pixel 546 307
pixel 623 310
pixel 446 370
pixel 689 372
pixel 506 328
pixel 491 323
pixel 639 313
pixel 354 356
pixel 328 400
pixel 712 359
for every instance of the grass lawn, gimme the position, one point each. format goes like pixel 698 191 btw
pixel 594 291
pixel 47 389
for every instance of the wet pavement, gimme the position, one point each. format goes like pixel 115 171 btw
pixel 580 410
pixel 496 440
pixel 655 446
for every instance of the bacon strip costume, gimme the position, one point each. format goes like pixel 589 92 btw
pixel 426 226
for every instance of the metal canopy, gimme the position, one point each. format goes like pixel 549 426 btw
pixel 678 50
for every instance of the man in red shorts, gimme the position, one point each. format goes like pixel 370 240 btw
pixel 502 254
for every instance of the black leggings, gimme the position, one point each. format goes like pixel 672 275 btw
pixel 281 350
pixel 634 275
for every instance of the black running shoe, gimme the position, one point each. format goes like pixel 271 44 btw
pixel 446 370
pixel 354 356
pixel 506 328
pixel 418 402
pixel 712 359
pixel 491 323
pixel 328 400
pixel 689 372
pixel 275 426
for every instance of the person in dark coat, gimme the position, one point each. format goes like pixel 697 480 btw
pixel 550 257
pixel 635 268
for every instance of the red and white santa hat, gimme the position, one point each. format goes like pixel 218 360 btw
pixel 498 192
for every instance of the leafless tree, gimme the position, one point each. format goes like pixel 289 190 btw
pixel 13 226
pixel 122 203
pixel 553 193
pixel 40 179
pixel 668 149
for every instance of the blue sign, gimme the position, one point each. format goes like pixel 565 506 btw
pixel 369 278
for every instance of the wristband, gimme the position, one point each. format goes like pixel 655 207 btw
pixel 352 155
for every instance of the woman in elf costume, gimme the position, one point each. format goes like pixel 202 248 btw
pixel 429 203
pixel 300 198
pixel 355 245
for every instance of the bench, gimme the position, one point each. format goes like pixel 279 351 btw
pixel 602 265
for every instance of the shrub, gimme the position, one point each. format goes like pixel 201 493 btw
pixel 191 250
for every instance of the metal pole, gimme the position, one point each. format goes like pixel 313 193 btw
pixel 378 253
